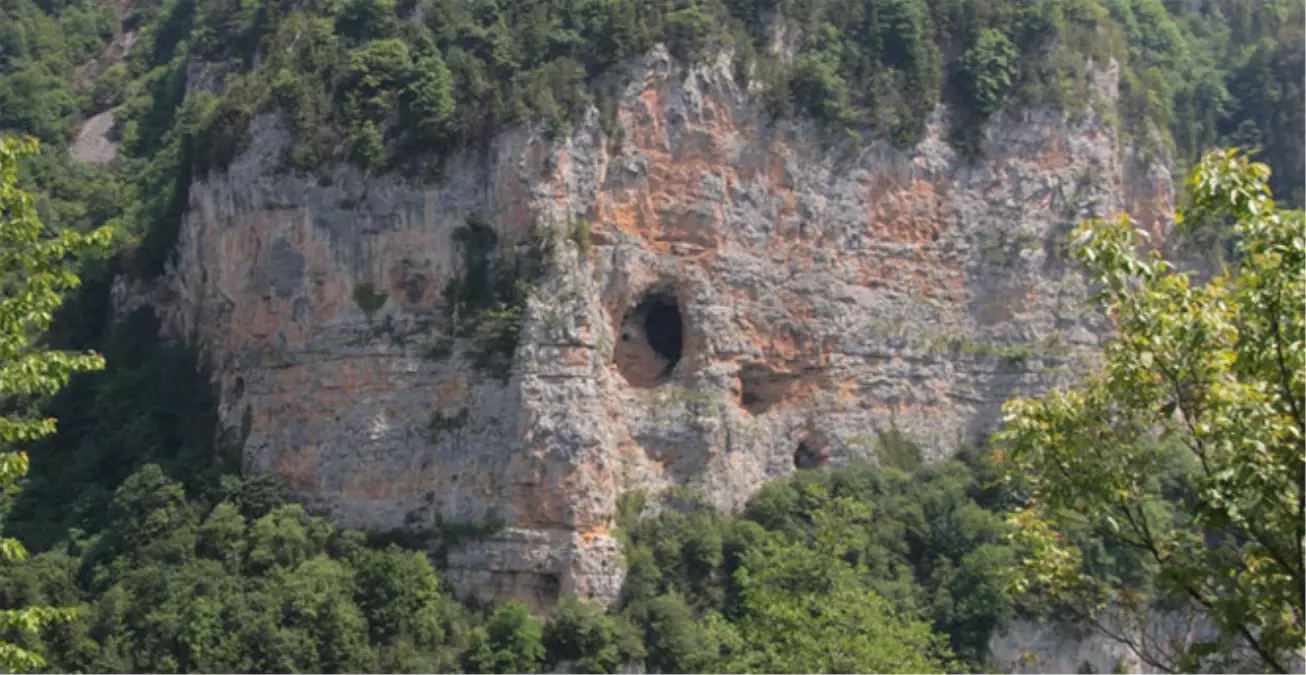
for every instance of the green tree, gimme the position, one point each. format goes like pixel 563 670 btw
pixel 151 519
pixel 510 642
pixel 400 593
pixel 688 30
pixel 432 102
pixel 805 610
pixel 34 274
pixel 676 643
pixel 989 69
pixel 1206 381
pixel 594 642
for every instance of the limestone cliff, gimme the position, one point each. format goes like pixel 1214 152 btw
pixel 755 296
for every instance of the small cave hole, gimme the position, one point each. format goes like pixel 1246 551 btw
pixel 652 340
pixel 238 388
pixel 761 388
pixel 545 589
pixel 663 329
pixel 805 457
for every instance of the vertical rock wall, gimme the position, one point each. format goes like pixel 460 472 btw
pixel 756 296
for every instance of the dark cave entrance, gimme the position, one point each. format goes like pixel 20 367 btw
pixel 663 328
pixel 652 340
pixel 805 457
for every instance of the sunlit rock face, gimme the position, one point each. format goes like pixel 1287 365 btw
pixel 755 297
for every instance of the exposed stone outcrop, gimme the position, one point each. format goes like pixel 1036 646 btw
pixel 95 143
pixel 1155 643
pixel 819 292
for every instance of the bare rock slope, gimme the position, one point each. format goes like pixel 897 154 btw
pixel 755 296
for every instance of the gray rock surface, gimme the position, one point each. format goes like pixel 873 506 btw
pixel 1025 646
pixel 95 143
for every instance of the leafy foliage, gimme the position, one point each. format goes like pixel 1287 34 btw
pixel 590 641
pixel 404 91
pixel 988 67
pixel 676 643
pixel 912 553
pixel 152 404
pixel 174 586
pixel 1204 383
pixel 34 275
pixel 510 642
pixel 806 609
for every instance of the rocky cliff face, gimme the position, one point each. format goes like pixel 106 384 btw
pixel 755 297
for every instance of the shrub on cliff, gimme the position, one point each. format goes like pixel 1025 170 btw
pixel 988 68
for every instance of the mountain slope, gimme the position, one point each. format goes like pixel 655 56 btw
pixel 478 269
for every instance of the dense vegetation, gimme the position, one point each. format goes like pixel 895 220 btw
pixel 389 84
pixel 137 510
pixel 36 268
pixel 899 549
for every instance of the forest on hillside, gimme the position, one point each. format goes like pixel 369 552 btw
pixel 137 516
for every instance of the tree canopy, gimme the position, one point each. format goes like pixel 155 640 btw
pixel 1187 445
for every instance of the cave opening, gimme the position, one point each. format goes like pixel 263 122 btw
pixel 761 388
pixel 652 340
pixel 663 328
pixel 805 457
